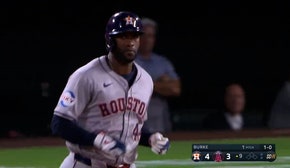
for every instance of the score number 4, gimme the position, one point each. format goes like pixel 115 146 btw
pixel 207 156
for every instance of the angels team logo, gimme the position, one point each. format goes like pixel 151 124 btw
pixel 218 156
pixel 67 99
pixel 129 20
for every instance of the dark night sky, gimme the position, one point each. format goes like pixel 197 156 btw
pixel 211 43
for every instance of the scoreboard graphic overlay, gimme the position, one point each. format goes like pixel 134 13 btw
pixel 233 152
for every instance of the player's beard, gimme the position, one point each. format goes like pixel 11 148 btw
pixel 124 57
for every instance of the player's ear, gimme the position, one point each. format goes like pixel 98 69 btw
pixel 113 43
pixel 110 42
pixel 107 38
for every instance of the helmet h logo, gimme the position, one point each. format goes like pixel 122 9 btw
pixel 129 20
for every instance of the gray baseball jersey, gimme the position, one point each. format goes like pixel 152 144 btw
pixel 98 99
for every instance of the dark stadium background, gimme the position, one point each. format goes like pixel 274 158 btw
pixel 211 44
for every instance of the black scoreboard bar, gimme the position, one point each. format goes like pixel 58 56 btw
pixel 233 152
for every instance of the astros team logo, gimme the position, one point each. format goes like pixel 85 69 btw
pixel 129 20
pixel 67 99
pixel 196 156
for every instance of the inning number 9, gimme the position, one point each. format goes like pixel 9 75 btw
pixel 228 156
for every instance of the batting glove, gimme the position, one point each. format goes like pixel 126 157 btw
pixel 109 144
pixel 159 144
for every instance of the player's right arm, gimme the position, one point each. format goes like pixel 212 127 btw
pixel 72 102
pixel 70 131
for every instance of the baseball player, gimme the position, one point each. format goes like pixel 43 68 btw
pixel 104 104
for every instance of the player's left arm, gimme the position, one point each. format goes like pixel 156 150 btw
pixel 156 141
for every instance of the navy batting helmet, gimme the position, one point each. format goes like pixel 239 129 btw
pixel 122 22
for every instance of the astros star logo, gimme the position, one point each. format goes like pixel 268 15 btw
pixel 196 156
pixel 129 20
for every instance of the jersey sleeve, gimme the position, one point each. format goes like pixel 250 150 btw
pixel 74 97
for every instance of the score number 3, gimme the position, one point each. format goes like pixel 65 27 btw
pixel 228 156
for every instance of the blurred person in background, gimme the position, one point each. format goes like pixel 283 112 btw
pixel 166 80
pixel 280 112
pixel 232 117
